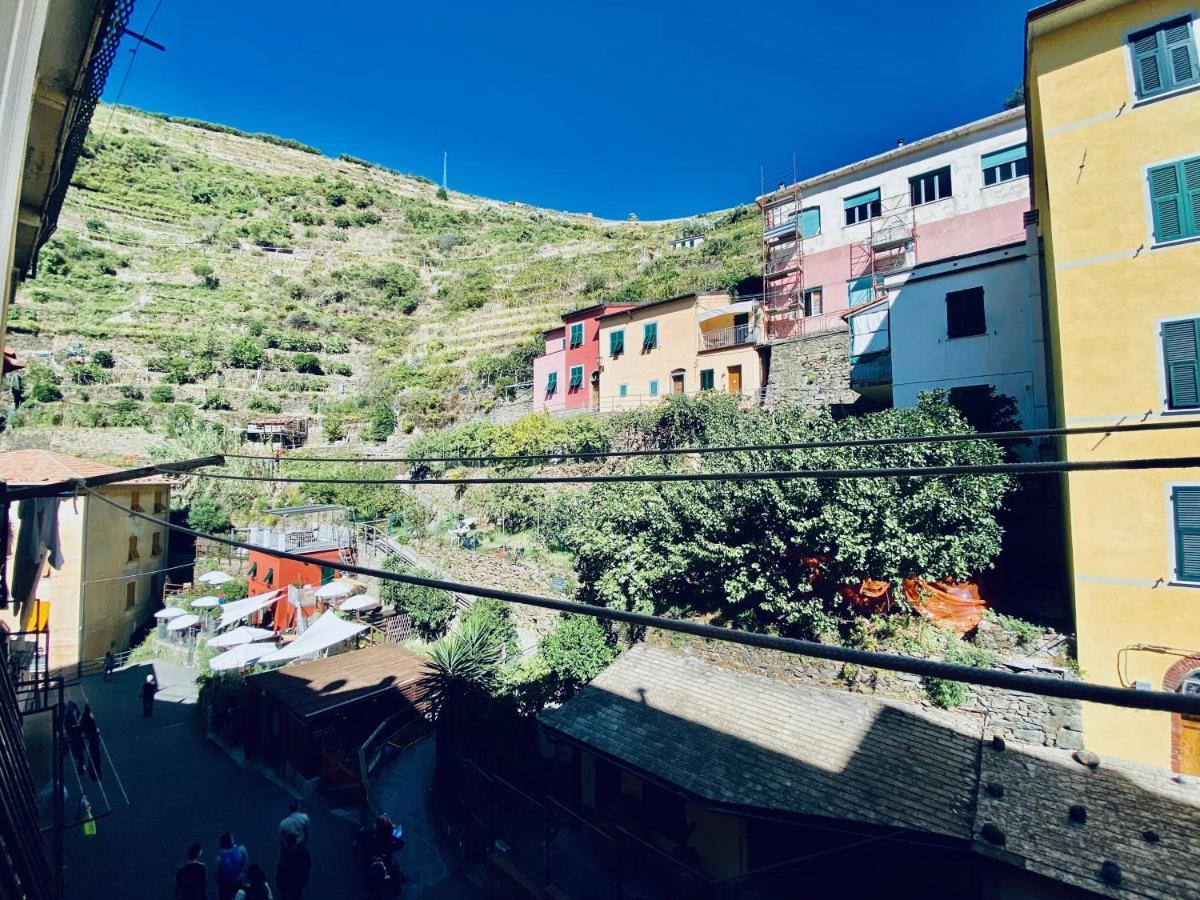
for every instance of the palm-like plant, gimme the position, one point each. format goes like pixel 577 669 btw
pixel 461 666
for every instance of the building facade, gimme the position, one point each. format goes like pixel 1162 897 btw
pixel 549 373
pixel 682 345
pixel 112 575
pixel 1114 114
pixel 582 356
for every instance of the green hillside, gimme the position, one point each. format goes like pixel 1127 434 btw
pixel 199 271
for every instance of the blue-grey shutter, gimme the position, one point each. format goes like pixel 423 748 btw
pixel 810 222
pixel 1166 200
pixel 1191 194
pixel 1186 501
pixel 1148 63
pixel 1180 52
pixel 1181 353
pixel 860 199
pixel 1012 154
pixel 861 291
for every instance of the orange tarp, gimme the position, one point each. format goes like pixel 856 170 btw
pixel 956 606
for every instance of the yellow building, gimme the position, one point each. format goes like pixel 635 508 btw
pixel 111 579
pixel 1114 127
pixel 682 345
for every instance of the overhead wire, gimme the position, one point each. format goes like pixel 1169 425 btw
pixel 1034 684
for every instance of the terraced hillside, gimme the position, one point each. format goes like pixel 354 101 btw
pixel 201 271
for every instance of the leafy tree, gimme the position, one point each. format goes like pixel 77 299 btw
pixel 496 617
pixel 462 670
pixel 259 403
pixel 128 413
pixel 179 420
pixel 207 516
pixel 217 400
pixel 429 609
pixel 514 507
pixel 162 393
pixel 246 353
pixel 42 383
pixel 334 429
pixel 576 651
pixel 442 195
pixel 381 424
pixel 207 276
pixel 309 363
pixel 104 359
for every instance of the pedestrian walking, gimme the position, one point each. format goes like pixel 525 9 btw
pixel 191 879
pixel 255 886
pixel 110 664
pixel 91 734
pixel 149 689
pixel 295 824
pixel 231 866
pixel 291 875
pixel 74 733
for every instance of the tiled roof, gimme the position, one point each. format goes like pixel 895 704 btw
pixel 751 741
pixel 44 466
pixel 1139 818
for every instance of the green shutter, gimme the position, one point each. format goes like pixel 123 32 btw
pixel 1181 353
pixel 1147 63
pixel 650 335
pixel 1186 501
pixel 577 334
pixel 1164 58
pixel 1166 199
pixel 1000 157
pixel 1191 193
pixel 861 291
pixel 706 379
pixel 810 222
pixel 1180 52
pixel 552 383
pixel 654 388
pixel 623 390
pixel 576 377
pixel 860 199
pixel 616 342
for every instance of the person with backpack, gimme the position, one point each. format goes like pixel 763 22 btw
pixel 231 865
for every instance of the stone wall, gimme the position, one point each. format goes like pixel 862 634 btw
pixel 1023 718
pixel 92 443
pixel 812 371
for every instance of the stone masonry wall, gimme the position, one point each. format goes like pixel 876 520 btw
pixel 1024 718
pixel 812 371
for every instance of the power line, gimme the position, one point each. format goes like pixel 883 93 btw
pixel 132 59
pixel 998 436
pixel 1026 468
pixel 1161 701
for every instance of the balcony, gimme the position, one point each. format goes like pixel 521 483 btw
pixel 302 540
pixel 871 370
pixel 721 338
pixel 789 323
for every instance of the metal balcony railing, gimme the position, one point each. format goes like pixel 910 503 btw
pixel 728 337
pixel 784 324
pixel 874 369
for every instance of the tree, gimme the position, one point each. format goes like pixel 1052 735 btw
pixel 207 276
pixel 246 353
pixel 104 359
pixel 381 424
pixel 1016 97
pixel 207 516
pixel 496 617
pixel 333 429
pixel 429 609
pixel 461 671
pixel 576 651
pixel 308 363
pixel 442 195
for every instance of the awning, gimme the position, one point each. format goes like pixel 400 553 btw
pixel 237 658
pixel 744 306
pixel 243 634
pixel 239 609
pixel 326 632
pixel 179 623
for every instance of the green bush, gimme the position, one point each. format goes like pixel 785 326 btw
pixel 130 391
pixel 514 507
pixel 127 413
pixel 259 403
pixel 179 420
pixel 207 516
pixel 309 363
pixel 381 423
pixel 950 694
pixel 496 617
pixel 207 277
pixel 576 651
pixel 246 353
pixel 42 383
pixel 334 429
pixel 441 194
pixel 216 400
pixel 162 393
pixel 104 359
pixel 429 609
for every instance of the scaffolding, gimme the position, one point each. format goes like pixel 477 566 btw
pixel 783 249
pixel 890 246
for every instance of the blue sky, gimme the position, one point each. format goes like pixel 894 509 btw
pixel 661 109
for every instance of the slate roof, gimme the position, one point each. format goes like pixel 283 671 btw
pixel 743 741
pixel 1122 801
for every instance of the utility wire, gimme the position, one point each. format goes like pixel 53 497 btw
pixel 1026 468
pixel 1162 701
pixel 132 59
pixel 999 436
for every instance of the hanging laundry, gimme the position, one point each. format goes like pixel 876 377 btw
pixel 37 543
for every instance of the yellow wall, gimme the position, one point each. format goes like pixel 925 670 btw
pixel 1108 287
pixel 678 348
pixel 104 616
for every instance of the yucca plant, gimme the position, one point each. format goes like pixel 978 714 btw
pixel 461 666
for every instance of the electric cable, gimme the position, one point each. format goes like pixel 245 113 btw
pixel 1161 701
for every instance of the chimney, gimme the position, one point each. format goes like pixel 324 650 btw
pixel 900 142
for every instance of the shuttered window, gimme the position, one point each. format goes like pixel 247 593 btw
pixel 1181 356
pixel 861 290
pixel 1175 199
pixel 576 381
pixel 616 342
pixel 965 314
pixel 706 379
pixel 654 388
pixel 649 335
pixel 623 390
pixel 577 334
pixel 551 383
pixel 862 207
pixel 1186 501
pixel 1005 165
pixel 1164 57
pixel 810 222
pixel 270 579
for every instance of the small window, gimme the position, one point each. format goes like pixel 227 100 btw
pixel 623 390
pixel 135 501
pixel 577 335
pixel 649 335
pixel 1164 57
pixel 862 207
pixel 616 342
pixel 270 579
pixel 706 379
pixel 551 383
pixel 654 388
pixel 1175 199
pixel 965 314
pixel 159 506
pixel 812 304
pixel 930 186
pixel 130 595
pixel 576 381
pixel 1186 503
pixel 133 548
pixel 1005 165
pixel 156 544
pixel 1181 356
pixel 253 570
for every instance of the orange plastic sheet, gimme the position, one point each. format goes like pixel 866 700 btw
pixel 953 605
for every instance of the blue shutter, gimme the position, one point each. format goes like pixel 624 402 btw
pixel 649 335
pixel 654 388
pixel 623 390
pixel 860 199
pixel 861 291
pixel 1147 63
pixel 810 222
pixel 1166 199
pixel 1191 194
pixel 1000 157
pixel 1181 354
pixel 552 383
pixel 577 334
pixel 616 342
pixel 1186 501
pixel 1180 52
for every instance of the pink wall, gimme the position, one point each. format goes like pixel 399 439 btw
pixel 553 361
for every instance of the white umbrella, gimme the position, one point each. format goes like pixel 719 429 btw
pixel 168 612
pixel 181 622
pixel 216 578
pixel 235 610
pixel 206 602
pixel 334 589
pixel 327 631
pixel 239 657
pixel 359 603
pixel 243 634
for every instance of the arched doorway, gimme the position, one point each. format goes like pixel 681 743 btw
pixel 1184 677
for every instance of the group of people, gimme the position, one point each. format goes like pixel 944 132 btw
pixel 83 740
pixel 239 879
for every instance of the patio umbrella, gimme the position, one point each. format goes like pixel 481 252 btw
pixel 359 603
pixel 243 634
pixel 206 602
pixel 335 589
pixel 181 622
pixel 168 612
pixel 216 578
pixel 239 657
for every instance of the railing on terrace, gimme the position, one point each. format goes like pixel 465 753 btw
pixel 871 370
pixel 785 324
pixel 780 215
pixel 729 337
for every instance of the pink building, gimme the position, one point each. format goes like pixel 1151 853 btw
pixel 549 387
pixel 832 241
pixel 581 365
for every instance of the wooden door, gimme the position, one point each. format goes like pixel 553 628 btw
pixel 677 383
pixel 735 379
pixel 1189 746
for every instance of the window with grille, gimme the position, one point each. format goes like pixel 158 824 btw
pixel 930 186
pixel 1186 504
pixel 1164 57
pixel 1175 199
pixel 1181 359
pixel 965 313
pixel 1005 165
